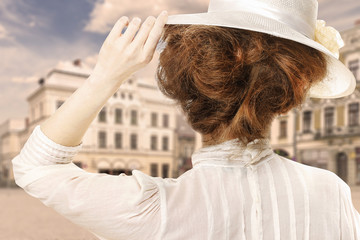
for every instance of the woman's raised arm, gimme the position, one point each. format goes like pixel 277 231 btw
pixel 120 56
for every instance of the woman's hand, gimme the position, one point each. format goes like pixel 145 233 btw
pixel 120 56
pixel 123 54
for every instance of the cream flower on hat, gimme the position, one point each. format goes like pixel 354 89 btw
pixel 329 37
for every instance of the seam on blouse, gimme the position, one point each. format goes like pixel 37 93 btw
pixel 256 211
pixel 241 192
pixel 225 205
pixel 306 203
pixel 209 213
pixel 346 203
pixel 274 202
pixel 340 205
pixel 292 215
pixel 163 206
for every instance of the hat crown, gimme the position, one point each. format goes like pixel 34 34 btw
pixel 301 15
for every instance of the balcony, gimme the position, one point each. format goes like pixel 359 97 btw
pixel 334 132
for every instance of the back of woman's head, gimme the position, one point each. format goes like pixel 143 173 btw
pixel 231 83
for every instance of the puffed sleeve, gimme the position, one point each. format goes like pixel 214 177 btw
pixel 349 216
pixel 111 207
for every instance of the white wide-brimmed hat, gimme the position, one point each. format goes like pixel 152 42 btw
pixel 290 19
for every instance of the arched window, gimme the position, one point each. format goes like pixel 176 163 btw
pixel 118 115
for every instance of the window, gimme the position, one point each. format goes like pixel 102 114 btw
pixel 165 170
pixel 102 115
pixel 165 143
pixel 283 128
pixel 154 119
pixel 133 141
pixel 165 120
pixel 115 95
pixel 153 142
pixel 307 122
pixel 59 103
pixel 329 120
pixel 354 67
pixel 130 96
pixel 118 115
pixel 133 117
pixel 102 139
pixel 154 169
pixel 118 140
pixel 354 114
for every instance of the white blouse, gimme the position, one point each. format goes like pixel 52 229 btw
pixel 232 192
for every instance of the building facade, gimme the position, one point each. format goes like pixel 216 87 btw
pixel 325 133
pixel 10 145
pixel 136 129
pixel 185 145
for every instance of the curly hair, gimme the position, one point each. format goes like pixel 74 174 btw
pixel 231 83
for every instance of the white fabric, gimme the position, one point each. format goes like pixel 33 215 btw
pixel 290 15
pixel 232 192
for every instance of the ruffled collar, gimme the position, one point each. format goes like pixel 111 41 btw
pixel 233 152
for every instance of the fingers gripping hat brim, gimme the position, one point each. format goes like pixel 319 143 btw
pixel 339 81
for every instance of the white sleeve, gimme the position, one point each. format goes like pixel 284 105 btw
pixel 111 207
pixel 349 216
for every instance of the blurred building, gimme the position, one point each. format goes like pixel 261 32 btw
pixel 136 129
pixel 185 145
pixel 325 133
pixel 10 145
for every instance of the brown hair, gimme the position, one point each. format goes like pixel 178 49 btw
pixel 231 83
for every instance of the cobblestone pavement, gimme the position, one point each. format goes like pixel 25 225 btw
pixel 23 217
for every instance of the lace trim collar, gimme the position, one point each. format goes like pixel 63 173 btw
pixel 233 152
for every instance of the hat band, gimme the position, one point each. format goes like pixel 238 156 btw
pixel 266 10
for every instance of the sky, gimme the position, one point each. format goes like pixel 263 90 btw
pixel 35 35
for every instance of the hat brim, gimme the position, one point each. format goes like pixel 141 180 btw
pixel 339 82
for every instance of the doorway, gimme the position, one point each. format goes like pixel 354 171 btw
pixel 342 166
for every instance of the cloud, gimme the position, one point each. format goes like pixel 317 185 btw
pixel 338 14
pixel 13 11
pixel 105 13
pixel 4 34
pixel 19 18
pixel 22 67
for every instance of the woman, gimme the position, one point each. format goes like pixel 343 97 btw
pixel 232 70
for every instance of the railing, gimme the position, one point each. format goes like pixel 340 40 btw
pixel 337 132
